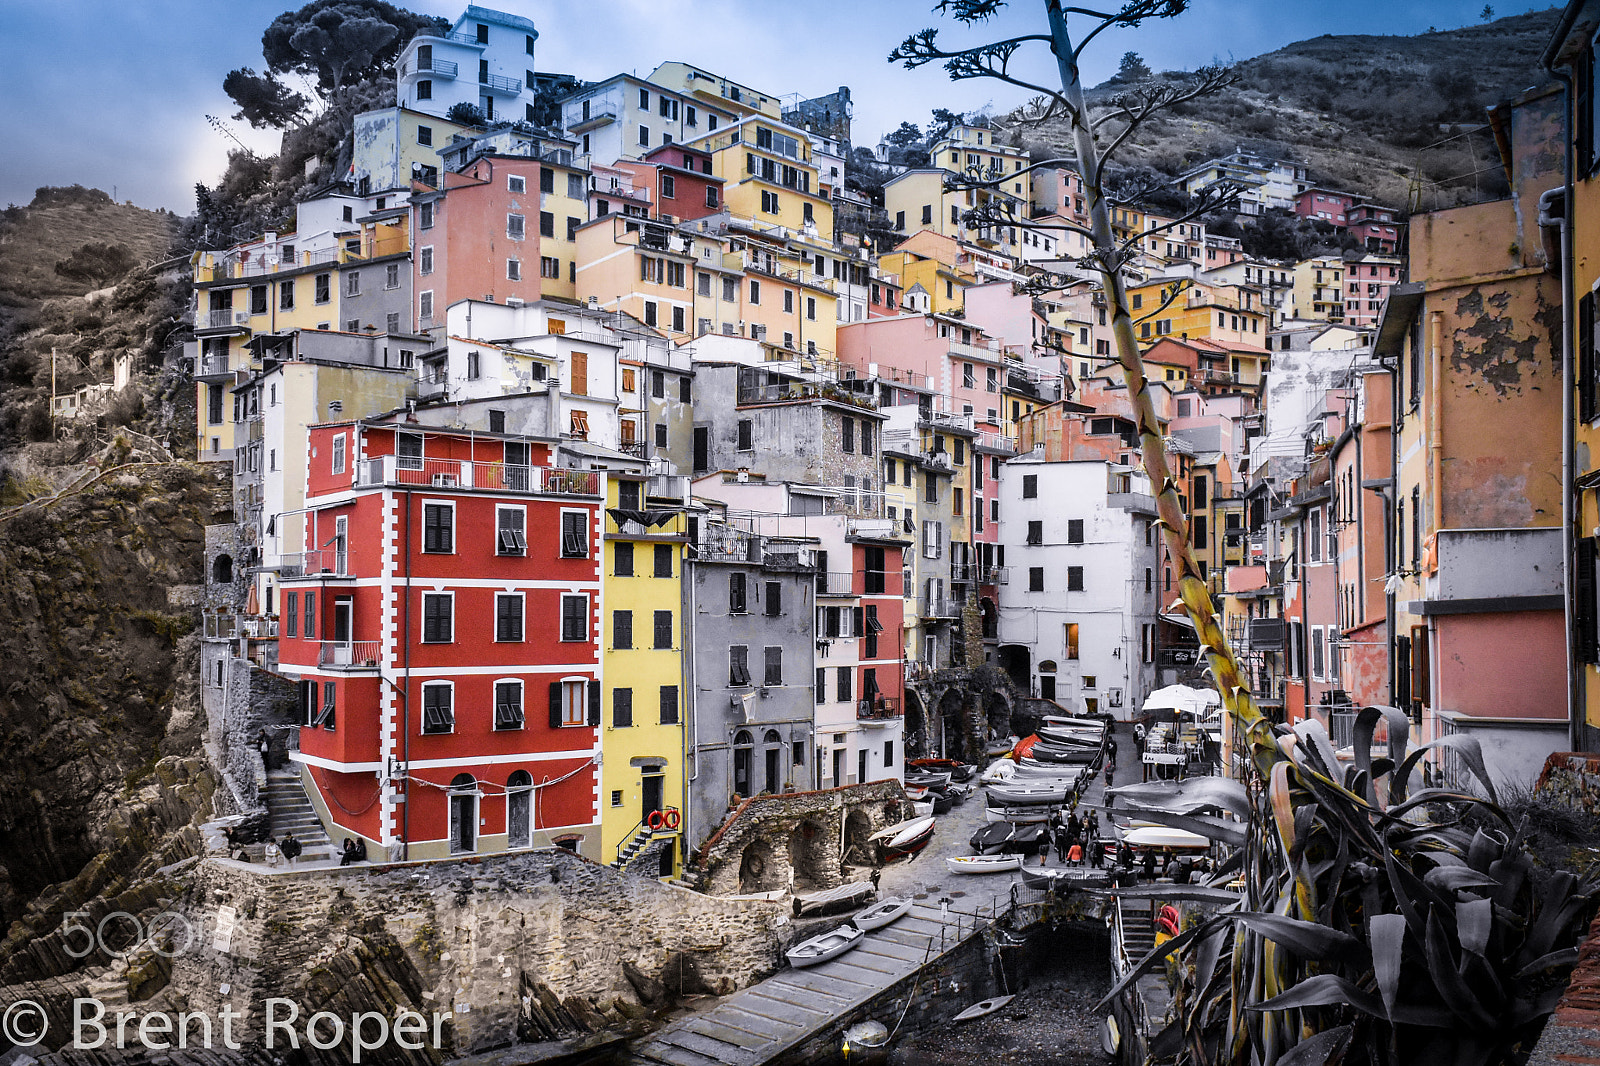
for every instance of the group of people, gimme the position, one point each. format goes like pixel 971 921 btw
pixel 288 848
pixel 1073 838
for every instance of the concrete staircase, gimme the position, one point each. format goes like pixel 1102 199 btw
pixel 1138 930
pixel 290 811
pixel 632 848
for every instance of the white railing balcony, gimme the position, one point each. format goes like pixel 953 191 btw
pixel 212 366
pixel 349 654
pixel 667 487
pixel 462 474
pixel 314 565
pixel 228 319
pixel 835 583
pixel 938 607
pixel 999 442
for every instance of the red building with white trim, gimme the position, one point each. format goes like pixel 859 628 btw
pixel 444 633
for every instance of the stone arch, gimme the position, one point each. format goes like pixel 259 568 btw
pixel 1015 660
pixel 760 868
pixel 222 570
pixel 857 831
pixel 916 724
pixel 990 615
pixel 950 741
pixel 811 858
pixel 1000 715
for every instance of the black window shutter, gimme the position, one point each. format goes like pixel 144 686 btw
pixel 860 625
pixel 555 705
pixel 1586 360
pixel 1583 607
pixel 594 702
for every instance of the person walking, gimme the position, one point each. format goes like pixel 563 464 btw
pixel 1062 841
pixel 290 847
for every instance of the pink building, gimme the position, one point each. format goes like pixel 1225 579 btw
pixel 1376 226
pixel 1367 282
pixel 963 365
pixel 1329 205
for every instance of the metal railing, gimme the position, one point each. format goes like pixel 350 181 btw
pixel 228 319
pixel 510 86
pixel 938 607
pixel 443 68
pixel 221 626
pixel 349 654
pixel 996 441
pixel 462 474
pixel 316 563
pixel 878 708
pixel 835 583
pixel 212 366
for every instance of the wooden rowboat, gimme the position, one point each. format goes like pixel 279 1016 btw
pixel 903 837
pixel 1014 792
pixel 882 913
pixel 1018 814
pixel 983 864
pixel 987 1006
pixel 829 945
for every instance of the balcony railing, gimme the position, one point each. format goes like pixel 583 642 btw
pixel 439 68
pixel 878 708
pixel 938 607
pixel 320 563
pixel 509 86
pixel 221 626
pixel 597 116
pixel 999 442
pixel 835 583
pixel 228 319
pixel 212 366
pixel 349 654
pixel 461 474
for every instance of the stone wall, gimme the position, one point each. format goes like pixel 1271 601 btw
pixel 460 936
pixel 767 840
pixel 248 700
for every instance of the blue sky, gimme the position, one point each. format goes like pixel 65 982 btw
pixel 116 94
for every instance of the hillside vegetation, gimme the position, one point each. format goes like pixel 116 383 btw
pixel 1363 112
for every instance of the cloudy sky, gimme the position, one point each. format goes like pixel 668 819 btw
pixel 116 94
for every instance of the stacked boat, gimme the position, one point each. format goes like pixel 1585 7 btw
pixel 903 838
pixel 1061 739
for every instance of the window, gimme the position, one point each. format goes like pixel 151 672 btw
pixel 1070 637
pixel 737 603
pixel 685 389
pixel 547 180
pixel 438 710
pixel 663 560
pixel 711 196
pixel 572 228
pixel 847 435
pixel 574 703
pixel 508 617
pixel 621 708
pixel 425 259
pixel 738 665
pixel 622 558
pixel 621 630
pixel 574 534
pixel 425 216
pixel 438 610
pixel 425 305
pixel 510 531
pixel 774 599
pixel 1035 579
pixel 323 288
pixel 755 292
pixel 663 620
pixel 286 296
pixel 549 267
pixel 516 227
pixel 508 705
pixel 513 270
pixel 774 667
pixel 669 704
pixel 1074 579
pixel 291 614
pixel 516 183
pixel 338 454
pixel 1030 486
pixel 547 224
pixel 438 528
pixel 575 187
pixel 1074 531
pixel 746 435
pixel 669 188
pixel 311 615
pixel 574 618
pixel 844 685
pixel 1035 532
pixel 644 136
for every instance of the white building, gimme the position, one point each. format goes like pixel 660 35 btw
pixel 1078 618
pixel 624 117
pixel 485 59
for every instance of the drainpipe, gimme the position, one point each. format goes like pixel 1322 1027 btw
pixel 405 699
pixel 1436 427
pixel 1571 512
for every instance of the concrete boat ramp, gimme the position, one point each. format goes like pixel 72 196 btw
pixel 758 1024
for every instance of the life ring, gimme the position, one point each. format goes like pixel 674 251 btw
pixel 1167 922
pixel 670 819
pixel 654 820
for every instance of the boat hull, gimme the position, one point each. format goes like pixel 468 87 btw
pixel 822 948
pixel 881 914
pixel 983 864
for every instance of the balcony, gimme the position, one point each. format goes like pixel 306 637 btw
pixel 835 583
pixel 673 487
pixel 1137 502
pixel 221 627
pixel 488 477
pixel 497 84
pixel 997 442
pixel 438 68
pixel 228 321
pixel 597 117
pixel 1266 634
pixel 938 607
pixel 349 654
pixel 314 565
pixel 212 368
pixel 878 709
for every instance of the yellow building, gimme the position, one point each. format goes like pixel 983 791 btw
pixel 715 90
pixel 646 703
pixel 942 283
pixel 1319 289
pixel 1227 314
pixel 918 200
pixel 768 174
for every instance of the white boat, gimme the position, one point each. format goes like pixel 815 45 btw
pixel 829 945
pixel 982 1007
pixel 1028 792
pixel 882 913
pixel 1018 814
pixel 903 836
pixel 983 864
pixel 922 808
pixel 927 778
pixel 999 770
pixel 1160 836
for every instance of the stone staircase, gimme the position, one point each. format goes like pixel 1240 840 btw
pixel 1138 930
pixel 290 811
pixel 632 848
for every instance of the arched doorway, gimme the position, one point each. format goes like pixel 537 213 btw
pixel 759 867
pixel 1047 679
pixel 1015 660
pixel 916 725
pixel 463 814
pixel 998 717
pixel 857 831
pixel 519 810
pixel 811 858
pixel 991 618
pixel 222 570
pixel 772 758
pixel 951 741
pixel 742 744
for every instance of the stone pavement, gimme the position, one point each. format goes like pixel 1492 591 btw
pixel 754 1025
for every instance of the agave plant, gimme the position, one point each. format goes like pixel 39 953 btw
pixel 1376 926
